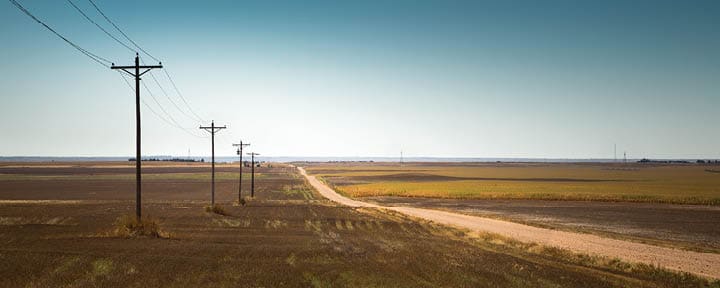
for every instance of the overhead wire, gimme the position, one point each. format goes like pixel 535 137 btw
pixel 181 96
pixel 172 123
pixel 164 91
pixel 99 27
pixel 145 103
pixel 104 62
pixel 166 113
pixel 121 32
pixel 170 99
pixel 100 60
pixel 151 56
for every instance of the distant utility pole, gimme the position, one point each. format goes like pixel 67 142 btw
pixel 614 152
pixel 239 153
pixel 625 157
pixel 138 156
pixel 401 157
pixel 252 182
pixel 213 129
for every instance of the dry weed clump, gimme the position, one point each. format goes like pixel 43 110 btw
pixel 217 209
pixel 130 226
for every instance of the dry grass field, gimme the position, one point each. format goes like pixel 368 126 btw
pixel 680 184
pixel 668 205
pixel 57 232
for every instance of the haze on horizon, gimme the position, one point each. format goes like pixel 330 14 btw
pixel 529 79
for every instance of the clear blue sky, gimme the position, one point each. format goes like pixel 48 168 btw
pixel 559 79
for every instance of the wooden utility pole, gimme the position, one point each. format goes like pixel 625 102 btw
pixel 239 152
pixel 252 176
pixel 213 129
pixel 138 156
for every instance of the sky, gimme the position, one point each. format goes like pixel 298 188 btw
pixel 527 79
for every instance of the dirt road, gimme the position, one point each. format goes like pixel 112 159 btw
pixel 705 264
pixel 688 227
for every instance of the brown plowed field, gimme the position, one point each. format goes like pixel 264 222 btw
pixel 287 236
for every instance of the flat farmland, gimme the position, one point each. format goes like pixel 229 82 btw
pixel 116 181
pixel 679 184
pixel 635 202
pixel 56 223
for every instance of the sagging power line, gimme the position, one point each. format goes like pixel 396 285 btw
pixel 145 103
pixel 121 31
pixel 79 10
pixel 128 69
pixel 100 60
pixel 174 122
pixel 158 115
pixel 181 95
pixel 195 116
pixel 98 26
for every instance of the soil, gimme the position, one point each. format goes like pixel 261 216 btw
pixel 287 236
pixel 689 226
pixel 705 264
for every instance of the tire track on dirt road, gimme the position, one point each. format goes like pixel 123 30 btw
pixel 703 264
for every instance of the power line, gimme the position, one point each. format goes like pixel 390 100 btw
pixel 170 99
pixel 145 103
pixel 87 53
pixel 148 106
pixel 121 32
pixel 104 62
pixel 99 27
pixel 151 56
pixel 168 114
pixel 158 115
pixel 151 74
pixel 196 117
pixel 161 107
pixel 181 95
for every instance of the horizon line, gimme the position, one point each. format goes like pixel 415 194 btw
pixel 380 157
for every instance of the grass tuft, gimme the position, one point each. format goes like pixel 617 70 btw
pixel 217 209
pixel 130 227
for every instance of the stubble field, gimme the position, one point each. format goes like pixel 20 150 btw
pixel 56 221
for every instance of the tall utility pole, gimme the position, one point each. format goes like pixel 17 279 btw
pixel 239 152
pixel 138 156
pixel 252 175
pixel 213 129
